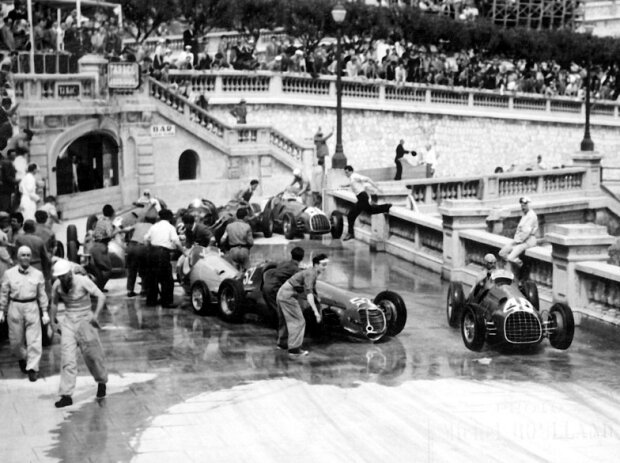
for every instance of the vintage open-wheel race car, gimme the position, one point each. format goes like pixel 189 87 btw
pixel 287 214
pixel 374 319
pixel 507 313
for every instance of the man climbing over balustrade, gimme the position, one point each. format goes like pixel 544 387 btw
pixel 360 184
pixel 525 236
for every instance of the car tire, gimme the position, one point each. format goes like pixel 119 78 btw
pixel 530 291
pixel 562 324
pixel 72 251
pixel 267 223
pixel 289 226
pixel 337 222
pixel 200 297
pixel 395 311
pixel 72 233
pixel 60 250
pixel 473 329
pixel 454 303
pixel 230 300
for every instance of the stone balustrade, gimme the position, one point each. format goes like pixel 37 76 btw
pixel 55 87
pixel 246 137
pixel 569 269
pixel 301 89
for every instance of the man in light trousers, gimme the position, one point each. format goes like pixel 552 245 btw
pixel 291 334
pixel 78 329
pixel 23 292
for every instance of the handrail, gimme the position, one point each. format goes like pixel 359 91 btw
pixel 246 133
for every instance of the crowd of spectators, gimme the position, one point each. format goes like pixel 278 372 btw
pixel 399 62
pixel 98 33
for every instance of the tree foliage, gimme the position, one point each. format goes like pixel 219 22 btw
pixel 143 17
pixel 310 21
pixel 204 15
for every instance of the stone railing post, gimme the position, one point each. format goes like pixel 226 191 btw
pixel 591 160
pixel 571 244
pixel 490 187
pixel 97 66
pixel 379 232
pixel 458 215
pixel 275 86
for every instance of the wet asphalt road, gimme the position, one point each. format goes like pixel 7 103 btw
pixel 191 388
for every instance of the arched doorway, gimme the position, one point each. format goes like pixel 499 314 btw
pixel 88 163
pixel 189 165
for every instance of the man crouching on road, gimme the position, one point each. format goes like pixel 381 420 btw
pixel 304 282
pixel 79 329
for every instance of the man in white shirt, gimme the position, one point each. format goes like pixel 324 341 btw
pixel 430 158
pixel 525 236
pixel 162 239
pixel 359 185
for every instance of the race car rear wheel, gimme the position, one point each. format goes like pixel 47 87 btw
pixel 395 311
pixel 454 303
pixel 267 223
pixel 72 233
pixel 562 326
pixel 337 222
pixel 72 251
pixel 530 291
pixel 199 297
pixel 473 327
pixel 59 251
pixel 289 226
pixel 231 297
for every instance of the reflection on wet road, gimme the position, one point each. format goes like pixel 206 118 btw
pixel 189 388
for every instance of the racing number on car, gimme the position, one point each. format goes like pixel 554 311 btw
pixel 249 273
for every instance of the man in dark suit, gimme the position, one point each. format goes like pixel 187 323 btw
pixel 276 277
pixel 40 258
pixel 400 154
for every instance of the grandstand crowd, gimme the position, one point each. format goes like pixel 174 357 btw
pixel 394 61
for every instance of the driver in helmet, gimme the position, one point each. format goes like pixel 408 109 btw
pixel 485 279
pixel 299 186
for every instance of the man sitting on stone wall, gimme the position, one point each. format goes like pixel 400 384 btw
pixel 525 236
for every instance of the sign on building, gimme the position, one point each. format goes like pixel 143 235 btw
pixel 123 75
pixel 163 130
pixel 69 90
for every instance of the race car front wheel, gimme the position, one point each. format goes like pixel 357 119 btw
pixel 473 327
pixel 454 303
pixel 289 226
pixel 230 300
pixel 561 326
pixel 267 223
pixel 395 311
pixel 199 297
pixel 337 222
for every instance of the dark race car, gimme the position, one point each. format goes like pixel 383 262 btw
pixel 289 215
pixel 508 314
pixel 228 213
pixel 203 210
pixel 342 310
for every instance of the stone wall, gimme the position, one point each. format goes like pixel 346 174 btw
pixel 465 145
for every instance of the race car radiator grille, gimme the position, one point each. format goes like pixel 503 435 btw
pixel 319 224
pixel 373 320
pixel 522 328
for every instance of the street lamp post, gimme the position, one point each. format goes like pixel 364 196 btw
pixel 339 160
pixel 587 144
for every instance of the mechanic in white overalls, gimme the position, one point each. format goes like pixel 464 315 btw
pixel 78 329
pixel 23 292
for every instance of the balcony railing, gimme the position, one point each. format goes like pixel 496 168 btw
pixel 384 94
